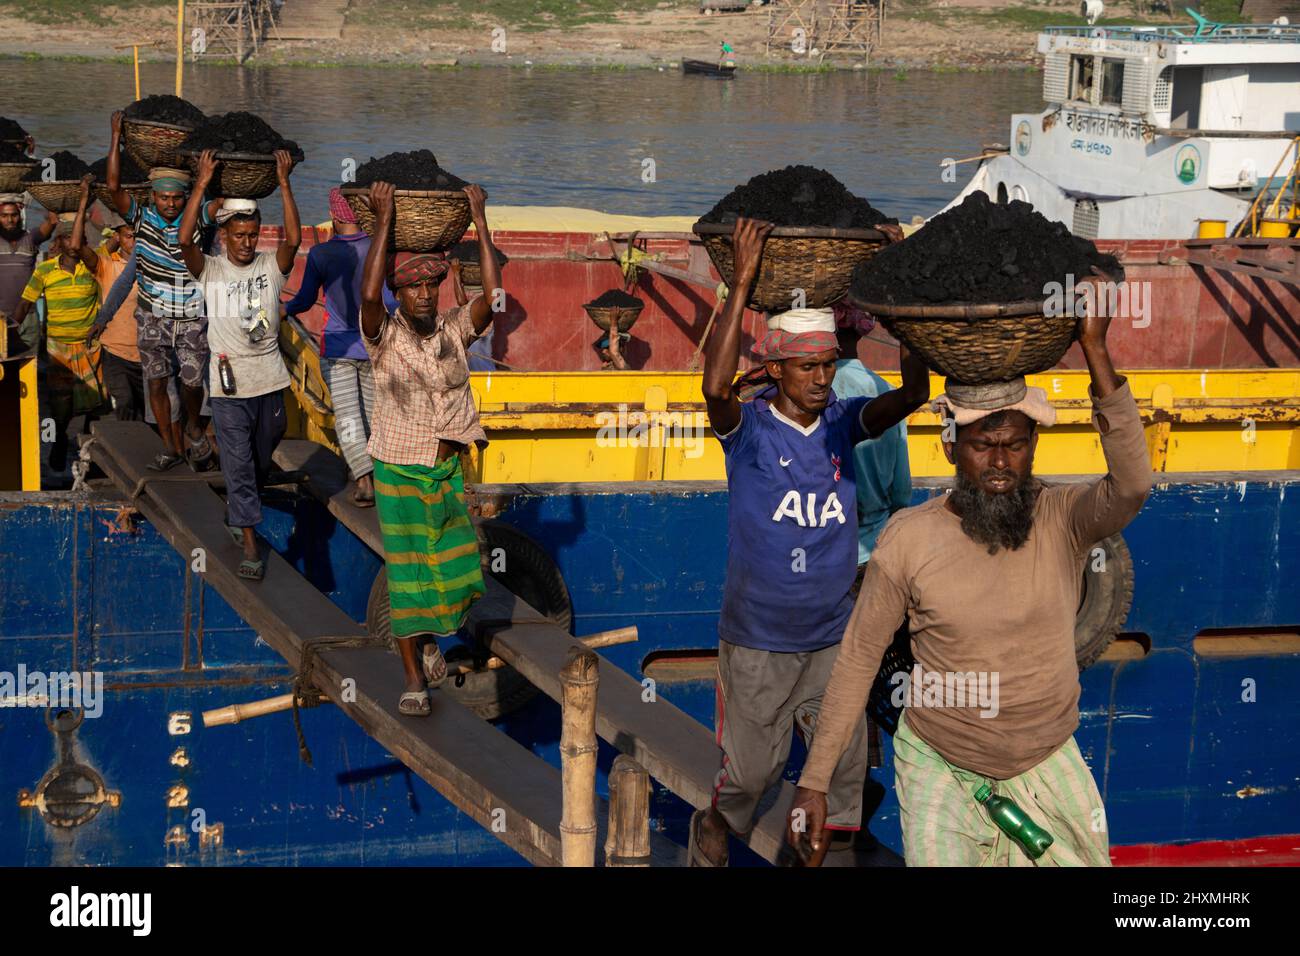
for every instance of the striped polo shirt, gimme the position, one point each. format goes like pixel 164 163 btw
pixel 71 299
pixel 166 286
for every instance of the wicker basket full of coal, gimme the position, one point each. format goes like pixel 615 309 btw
pixel 59 196
pixel 981 344
pixel 151 143
pixel 801 265
pixel 424 220
pixel 241 175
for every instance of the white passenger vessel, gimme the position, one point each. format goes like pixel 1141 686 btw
pixel 1148 130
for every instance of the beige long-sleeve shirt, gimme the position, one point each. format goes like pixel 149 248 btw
pixel 1006 619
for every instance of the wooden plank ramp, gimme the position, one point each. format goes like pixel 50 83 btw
pixel 311 19
pixel 477 767
pixel 677 750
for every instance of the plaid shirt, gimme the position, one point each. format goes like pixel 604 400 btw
pixel 422 389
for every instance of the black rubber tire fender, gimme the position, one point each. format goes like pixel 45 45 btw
pixel 1105 597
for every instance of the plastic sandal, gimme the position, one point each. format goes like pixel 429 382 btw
pixel 415 704
pixel 198 450
pixel 435 665
pixel 251 570
pixel 165 461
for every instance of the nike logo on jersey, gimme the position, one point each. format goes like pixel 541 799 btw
pixel 785 462
pixel 806 513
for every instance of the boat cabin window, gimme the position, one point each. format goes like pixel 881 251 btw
pixel 1112 82
pixel 1081 78
pixel 1084 80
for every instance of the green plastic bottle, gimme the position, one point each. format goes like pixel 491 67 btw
pixel 1014 822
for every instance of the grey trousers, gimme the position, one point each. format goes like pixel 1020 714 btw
pixel 761 697
pixel 352 393
pixel 248 429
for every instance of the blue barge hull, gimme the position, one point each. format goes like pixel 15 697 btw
pixel 1190 741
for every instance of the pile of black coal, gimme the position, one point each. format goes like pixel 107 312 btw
pixel 11 129
pixel 166 109
pixel 131 174
pixel 468 252
pixel 615 297
pixel 797 196
pixel 417 169
pixel 239 132
pixel 9 153
pixel 66 166
pixel 976 253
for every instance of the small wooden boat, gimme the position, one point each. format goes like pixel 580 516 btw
pixel 706 68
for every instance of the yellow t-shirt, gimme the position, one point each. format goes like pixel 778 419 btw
pixel 71 300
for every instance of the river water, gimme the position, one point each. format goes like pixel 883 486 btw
pixel 571 137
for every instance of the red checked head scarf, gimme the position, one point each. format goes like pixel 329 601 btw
pixel 797 332
pixel 340 211
pixel 407 268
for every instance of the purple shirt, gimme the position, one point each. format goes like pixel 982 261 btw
pixel 337 265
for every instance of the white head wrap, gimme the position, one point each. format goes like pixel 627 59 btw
pixel 235 207
pixel 797 332
pixel 798 321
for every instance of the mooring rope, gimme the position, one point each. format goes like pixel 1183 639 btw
pixel 304 687
pixel 81 467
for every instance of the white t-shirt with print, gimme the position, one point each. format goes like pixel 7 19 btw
pixel 234 295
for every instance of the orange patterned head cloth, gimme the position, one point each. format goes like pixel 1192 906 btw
pixel 407 268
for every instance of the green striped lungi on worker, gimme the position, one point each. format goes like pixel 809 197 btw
pixel 944 826
pixel 430 546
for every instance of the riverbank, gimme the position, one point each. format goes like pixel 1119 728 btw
pixel 612 34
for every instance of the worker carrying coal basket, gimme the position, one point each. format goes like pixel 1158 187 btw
pixel 987 770
pixel 424 419
pixel 792 549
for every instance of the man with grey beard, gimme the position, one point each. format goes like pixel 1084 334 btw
pixel 988 580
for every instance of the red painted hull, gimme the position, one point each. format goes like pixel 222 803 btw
pixel 1259 851
pixel 1198 318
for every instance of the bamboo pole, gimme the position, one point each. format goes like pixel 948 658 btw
pixel 619 635
pixel 627 840
pixel 578 679
pixel 135 59
pixel 694 364
pixel 180 45
pixel 234 713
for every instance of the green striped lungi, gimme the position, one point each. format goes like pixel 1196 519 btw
pixel 430 546
pixel 944 826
